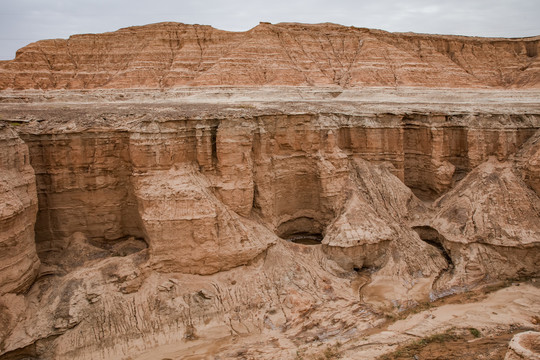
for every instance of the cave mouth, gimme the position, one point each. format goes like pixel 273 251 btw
pixel 433 238
pixel 305 238
pixel 301 230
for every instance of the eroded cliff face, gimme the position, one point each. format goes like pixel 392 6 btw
pixel 170 54
pixel 192 222
pixel 263 222
pixel 18 258
pixel 211 175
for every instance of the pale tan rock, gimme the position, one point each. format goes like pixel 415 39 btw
pixel 372 236
pixel 500 311
pixel 480 208
pixel 18 206
pixel 524 346
pixel 188 229
pixel 489 225
pixel 211 180
pixel 528 161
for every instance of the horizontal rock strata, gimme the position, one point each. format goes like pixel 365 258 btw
pixel 190 186
pixel 174 191
pixel 168 55
pixel 185 218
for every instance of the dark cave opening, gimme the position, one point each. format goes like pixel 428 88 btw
pixel 435 239
pixel 302 230
pixel 305 238
pixel 213 141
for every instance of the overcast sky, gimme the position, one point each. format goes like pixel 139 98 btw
pixel 26 21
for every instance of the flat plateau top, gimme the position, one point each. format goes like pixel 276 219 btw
pixel 59 106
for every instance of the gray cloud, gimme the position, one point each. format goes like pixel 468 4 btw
pixel 25 21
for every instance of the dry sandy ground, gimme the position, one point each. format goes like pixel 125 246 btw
pixel 466 326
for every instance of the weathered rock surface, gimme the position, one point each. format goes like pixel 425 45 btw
pixel 524 346
pixel 371 236
pixel 489 224
pixel 166 55
pixel 189 230
pixel 18 206
pixel 70 168
pixel 172 221
pixel 257 222
pixel 527 160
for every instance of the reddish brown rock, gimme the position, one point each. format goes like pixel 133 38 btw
pixel 68 168
pixel 168 55
pixel 259 223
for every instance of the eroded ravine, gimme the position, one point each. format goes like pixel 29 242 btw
pixel 157 222
pixel 294 191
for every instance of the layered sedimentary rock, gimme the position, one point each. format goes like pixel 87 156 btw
pixel 180 222
pixel 171 54
pixel 489 212
pixel 371 237
pixel 251 222
pixel 293 171
pixel 189 229
pixel 18 206
pixel 69 169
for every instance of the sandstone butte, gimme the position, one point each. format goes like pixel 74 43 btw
pixel 294 191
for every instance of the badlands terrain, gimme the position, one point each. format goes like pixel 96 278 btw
pixel 293 191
